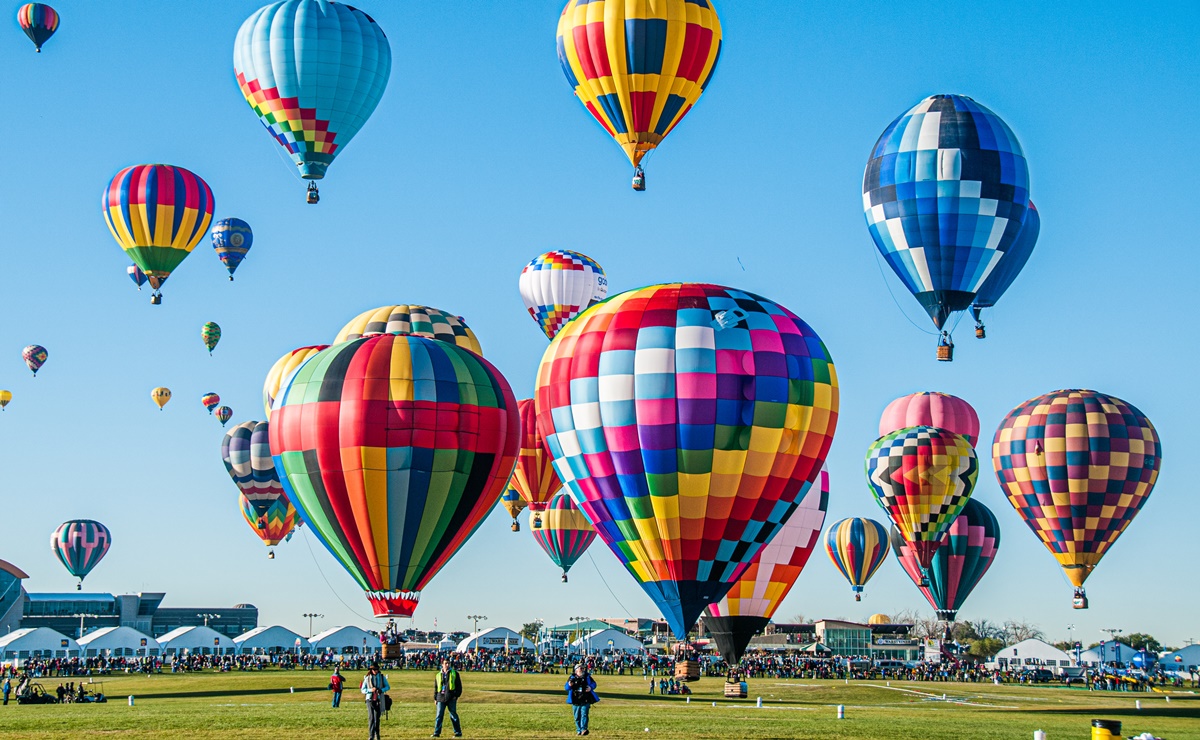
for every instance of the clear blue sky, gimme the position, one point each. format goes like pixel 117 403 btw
pixel 478 159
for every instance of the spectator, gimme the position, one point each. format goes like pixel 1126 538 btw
pixel 581 695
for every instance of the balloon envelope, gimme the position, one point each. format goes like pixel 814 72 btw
pixel 35 356
pixel 534 477
pixel 558 286
pixel 685 421
pixel 210 401
pixel 857 548
pixel 282 369
pixel 931 409
pixel 160 396
pixel 210 334
pixel 422 321
pixel 231 240
pixel 246 452
pixel 39 22
pixel 564 533
pixel 1014 261
pixel 80 545
pixel 5 397
pixel 223 414
pixel 512 502
pixel 395 448
pixel 136 275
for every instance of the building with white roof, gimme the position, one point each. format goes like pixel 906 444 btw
pixel 193 640
pixel 1030 654
pixel 605 640
pixel 119 642
pixel 269 641
pixel 345 641
pixel 496 638
pixel 37 642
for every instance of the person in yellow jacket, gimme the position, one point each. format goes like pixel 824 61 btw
pixel 447 687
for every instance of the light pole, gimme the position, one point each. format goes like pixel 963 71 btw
pixel 476 619
pixel 1112 633
pixel 207 617
pixel 310 618
pixel 541 623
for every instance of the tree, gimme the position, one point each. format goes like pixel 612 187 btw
pixel 530 631
pixel 1016 631
pixel 799 619
pixel 986 628
pixel 986 647
pixel 1065 645
pixel 1142 641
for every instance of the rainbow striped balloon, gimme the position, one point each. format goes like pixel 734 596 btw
pixel 857 548
pixel 565 532
pixel 39 22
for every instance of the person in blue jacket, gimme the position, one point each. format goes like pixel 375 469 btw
pixel 581 695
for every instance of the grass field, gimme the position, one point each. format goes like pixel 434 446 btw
pixel 497 705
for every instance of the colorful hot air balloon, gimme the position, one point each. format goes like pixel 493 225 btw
pixel 534 478
pixel 35 356
pixel 750 604
pixel 512 502
pixel 422 321
pixel 685 420
pixel 158 214
pixel 931 409
pixel 922 477
pixel 80 545
pixel 558 286
pixel 313 71
pixel 160 396
pixel 5 397
pixel 223 414
pixel 945 194
pixel 232 239
pixel 1077 465
pixel 247 454
pixel 638 68
pixel 959 563
pixel 136 275
pixel 211 334
pixel 283 368
pixel 564 533
pixel 857 548
pixel 395 448
pixel 39 22
pixel 210 401
pixel 1008 269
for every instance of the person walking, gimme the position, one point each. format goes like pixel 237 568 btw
pixel 336 684
pixel 7 689
pixel 374 686
pixel 447 687
pixel 581 695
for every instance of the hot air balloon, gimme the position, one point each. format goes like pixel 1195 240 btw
pixel 945 193
pixel 136 275
pixel 80 545
pixel 638 68
pixel 158 214
pixel 564 533
pixel 5 397
pixel 39 22
pixel 160 396
pixel 1077 466
pixel 35 356
pixel 247 454
pixel 931 409
pixel 685 421
pixel 223 414
pixel 753 600
pixel 558 286
pixel 211 334
pixel 534 478
pixel 426 438
pixel 958 564
pixel 922 477
pixel 1008 269
pixel 512 502
pixel 313 71
pixel 210 401
pixel 232 239
pixel 422 321
pixel 283 368
pixel 857 548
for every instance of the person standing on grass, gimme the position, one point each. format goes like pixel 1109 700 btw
pixel 581 695
pixel 447 687
pixel 374 686
pixel 7 689
pixel 336 684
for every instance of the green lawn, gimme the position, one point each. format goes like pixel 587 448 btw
pixel 497 705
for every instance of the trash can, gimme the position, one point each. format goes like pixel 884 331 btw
pixel 1106 729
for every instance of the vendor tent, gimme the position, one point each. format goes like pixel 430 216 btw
pixel 270 640
pixel 118 642
pixel 345 641
pixel 604 640
pixel 496 638
pixel 1030 654
pixel 816 648
pixel 447 644
pixel 195 640
pixel 37 642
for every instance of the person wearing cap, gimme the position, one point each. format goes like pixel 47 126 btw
pixel 447 687
pixel 374 686
pixel 581 695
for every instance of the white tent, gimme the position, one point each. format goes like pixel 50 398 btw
pixel 1030 654
pixel 496 638
pixel 269 640
pixel 447 644
pixel 118 642
pixel 345 641
pixel 598 642
pixel 37 642
pixel 203 640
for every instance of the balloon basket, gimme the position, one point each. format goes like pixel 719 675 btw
pixel 980 332
pixel 687 670
pixel 945 353
pixel 393 652
pixel 736 690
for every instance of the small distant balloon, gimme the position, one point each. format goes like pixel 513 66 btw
pixel 35 356
pixel 160 396
pixel 211 334
pixel 223 414
pixel 231 239
pixel 558 286
pixel 5 397
pixel 210 401
pixel 39 22
pixel 136 275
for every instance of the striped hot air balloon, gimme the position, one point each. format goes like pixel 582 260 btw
pixel 282 370
pixel 565 532
pixel 246 452
pixel 534 477
pixel 80 545
pixel 39 22
pixel 857 548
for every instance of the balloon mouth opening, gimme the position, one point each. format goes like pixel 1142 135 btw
pixel 393 603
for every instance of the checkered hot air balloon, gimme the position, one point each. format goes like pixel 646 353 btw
pixel 231 240
pixel 922 477
pixel 246 451
pixel 512 502
pixel 1006 272
pixel 931 409
pixel 395 448
pixel 313 71
pixel 423 321
pixel 80 545
pixel 558 286
pixel 534 477
pixel 685 420
pixel 857 547
pixel 1077 466
pixel 282 369
pixel 39 22
pixel 959 563
pixel 639 68
pixel 210 334
pixel 753 600
pixel 945 194
pixel 564 533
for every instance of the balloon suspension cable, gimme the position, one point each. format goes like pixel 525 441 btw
pixel 610 591
pixel 327 583
pixel 903 312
